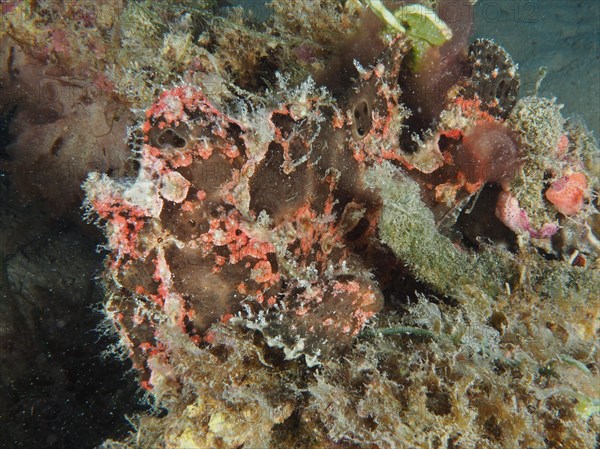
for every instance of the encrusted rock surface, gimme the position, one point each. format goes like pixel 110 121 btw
pixel 324 245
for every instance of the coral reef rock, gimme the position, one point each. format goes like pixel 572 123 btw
pixel 294 253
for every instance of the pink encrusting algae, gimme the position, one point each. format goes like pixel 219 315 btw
pixel 567 193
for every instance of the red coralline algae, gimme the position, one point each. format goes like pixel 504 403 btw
pixel 126 221
pixel 567 193
pixel 516 219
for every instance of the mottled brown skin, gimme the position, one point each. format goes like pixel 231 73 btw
pixel 310 184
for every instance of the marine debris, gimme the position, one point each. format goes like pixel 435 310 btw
pixel 327 245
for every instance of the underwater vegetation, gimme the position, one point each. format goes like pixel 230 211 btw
pixel 339 229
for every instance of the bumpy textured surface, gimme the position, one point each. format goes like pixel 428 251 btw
pixel 494 78
pixel 313 250
pixel 230 214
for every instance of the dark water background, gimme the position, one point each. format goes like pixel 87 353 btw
pixel 562 35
